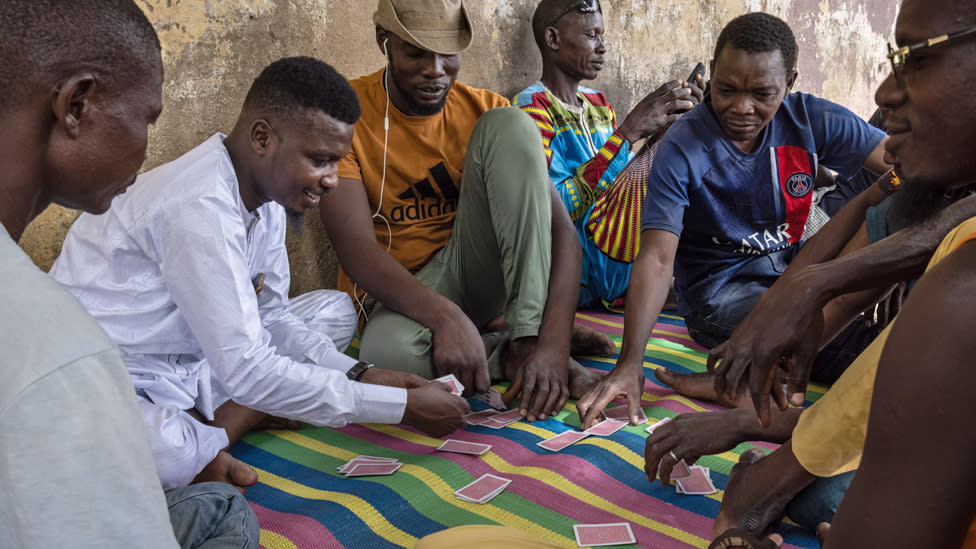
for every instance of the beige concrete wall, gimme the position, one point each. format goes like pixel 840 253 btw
pixel 212 50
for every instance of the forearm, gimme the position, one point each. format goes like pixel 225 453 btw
pixel 564 280
pixel 779 431
pixel 380 275
pixel 649 283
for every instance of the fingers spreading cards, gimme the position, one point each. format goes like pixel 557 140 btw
pixel 620 413
pixel 483 489
pixel 452 383
pixel 596 535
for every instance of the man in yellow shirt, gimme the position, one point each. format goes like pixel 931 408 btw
pixel 930 145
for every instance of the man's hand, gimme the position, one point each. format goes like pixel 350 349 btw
pixel 658 109
pixel 688 437
pixel 785 328
pixel 626 380
pixel 434 410
pixel 541 377
pixel 459 350
pixel 392 378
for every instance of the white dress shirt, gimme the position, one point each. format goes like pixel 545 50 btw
pixel 170 273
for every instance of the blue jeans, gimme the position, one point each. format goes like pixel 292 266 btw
pixel 713 324
pixel 212 515
pixel 818 502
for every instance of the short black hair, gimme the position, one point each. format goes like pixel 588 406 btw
pixel 759 32
pixel 295 83
pixel 48 40
pixel 547 10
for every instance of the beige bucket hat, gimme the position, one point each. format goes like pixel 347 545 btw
pixel 440 26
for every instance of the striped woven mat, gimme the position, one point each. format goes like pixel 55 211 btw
pixel 302 501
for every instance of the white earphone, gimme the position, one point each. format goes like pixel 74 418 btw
pixel 379 206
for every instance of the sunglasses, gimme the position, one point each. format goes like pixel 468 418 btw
pixel 899 57
pixel 583 6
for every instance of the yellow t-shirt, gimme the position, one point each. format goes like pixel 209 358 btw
pixel 425 158
pixel 829 437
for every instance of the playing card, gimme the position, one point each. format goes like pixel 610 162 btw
pixel 562 440
pixel 503 419
pixel 478 418
pixel 494 399
pixel 364 469
pixel 364 459
pixel 699 483
pixel 452 383
pixel 463 447
pixel 483 489
pixel 591 535
pixel 606 428
pixel 679 471
pixel 652 428
pixel 620 413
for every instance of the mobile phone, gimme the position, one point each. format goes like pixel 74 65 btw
pixel 699 70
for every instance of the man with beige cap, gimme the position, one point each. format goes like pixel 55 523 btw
pixel 442 184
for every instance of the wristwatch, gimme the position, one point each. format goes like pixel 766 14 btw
pixel 356 372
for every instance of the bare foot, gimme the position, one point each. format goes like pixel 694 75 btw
pixel 589 342
pixel 759 490
pixel 581 379
pixel 227 468
pixel 700 386
pixel 237 420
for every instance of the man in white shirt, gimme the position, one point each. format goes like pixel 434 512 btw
pixel 75 464
pixel 189 275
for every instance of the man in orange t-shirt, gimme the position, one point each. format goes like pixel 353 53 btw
pixel 443 184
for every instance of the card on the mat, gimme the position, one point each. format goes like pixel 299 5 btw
pixel 483 489
pixel 364 469
pixel 492 423
pixel 652 428
pixel 606 427
pixel 699 483
pixel 452 383
pixel 620 413
pixel 562 440
pixel 478 418
pixel 463 447
pixel 364 459
pixel 680 470
pixel 511 415
pixel 594 535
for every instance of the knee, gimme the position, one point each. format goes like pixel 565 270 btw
pixel 181 445
pixel 212 511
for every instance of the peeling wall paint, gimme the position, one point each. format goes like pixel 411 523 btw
pixel 213 49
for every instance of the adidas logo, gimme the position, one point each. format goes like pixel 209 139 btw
pixel 424 189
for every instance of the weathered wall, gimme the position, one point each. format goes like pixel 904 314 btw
pixel 212 50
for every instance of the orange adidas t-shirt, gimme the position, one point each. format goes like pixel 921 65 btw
pixel 425 158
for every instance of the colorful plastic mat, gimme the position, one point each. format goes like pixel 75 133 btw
pixel 302 501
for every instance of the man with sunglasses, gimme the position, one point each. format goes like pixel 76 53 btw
pixel 585 148
pixel 188 274
pixel 929 147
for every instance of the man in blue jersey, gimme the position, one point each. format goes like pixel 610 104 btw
pixel 730 194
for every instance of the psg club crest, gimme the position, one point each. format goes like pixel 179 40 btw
pixel 799 184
